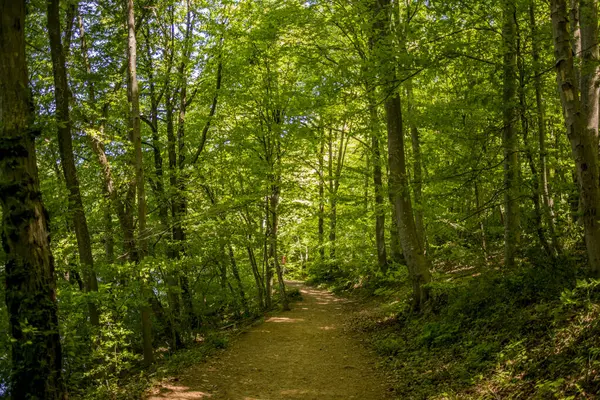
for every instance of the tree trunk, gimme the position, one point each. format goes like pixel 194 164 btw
pixel 167 322
pixel 321 223
pixel 29 265
pixel 188 303
pixel 481 224
pixel 528 148
pixel 395 246
pixel 589 80
pixel 332 203
pixel 257 278
pixel 222 270
pixel 582 130
pixel 399 187
pixel 266 259
pixel 377 185
pixel 417 167
pixel 541 121
pixel 510 140
pixel 575 35
pixel 274 208
pixel 65 145
pixel 136 138
pixel 136 133
pixel 109 241
pixel 238 280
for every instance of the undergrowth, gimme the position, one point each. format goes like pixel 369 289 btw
pixel 531 333
pixel 133 384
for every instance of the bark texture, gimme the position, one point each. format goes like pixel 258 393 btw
pixel 418 266
pixel 582 131
pixel 415 139
pixel 30 283
pixel 136 138
pixel 399 187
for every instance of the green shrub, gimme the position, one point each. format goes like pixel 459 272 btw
pixel 294 294
pixel 216 340
pixel 389 346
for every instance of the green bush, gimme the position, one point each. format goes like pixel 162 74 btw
pixel 389 346
pixel 216 340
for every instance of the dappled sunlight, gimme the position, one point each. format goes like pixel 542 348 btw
pixel 284 319
pixel 298 354
pixel 173 392
pixel 327 328
pixel 297 392
pixel 461 268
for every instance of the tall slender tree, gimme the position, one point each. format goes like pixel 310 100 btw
pixel 399 187
pixel 547 208
pixel 140 183
pixel 65 146
pixel 510 139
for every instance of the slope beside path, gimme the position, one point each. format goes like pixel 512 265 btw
pixel 300 354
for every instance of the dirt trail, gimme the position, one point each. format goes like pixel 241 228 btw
pixel 300 354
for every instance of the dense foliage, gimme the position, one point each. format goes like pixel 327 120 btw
pixel 347 142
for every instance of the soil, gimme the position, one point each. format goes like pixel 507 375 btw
pixel 300 354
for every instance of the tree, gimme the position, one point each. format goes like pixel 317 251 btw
pixel 581 114
pixel 510 139
pixel 65 145
pixel 138 163
pixel 399 187
pixel 30 284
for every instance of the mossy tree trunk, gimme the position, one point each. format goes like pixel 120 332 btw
pixel 30 283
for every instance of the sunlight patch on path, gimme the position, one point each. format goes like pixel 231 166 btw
pixel 327 328
pixel 173 392
pixel 282 319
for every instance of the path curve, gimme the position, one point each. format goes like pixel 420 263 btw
pixel 300 354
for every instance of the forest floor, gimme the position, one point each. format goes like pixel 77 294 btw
pixel 305 353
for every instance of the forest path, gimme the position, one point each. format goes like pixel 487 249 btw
pixel 299 354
